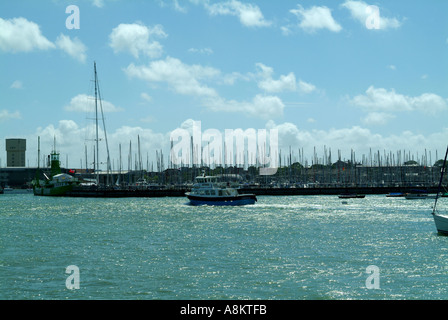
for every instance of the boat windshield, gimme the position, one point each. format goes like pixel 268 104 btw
pixel 206 179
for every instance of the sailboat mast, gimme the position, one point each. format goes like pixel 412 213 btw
pixel 96 123
pixel 38 152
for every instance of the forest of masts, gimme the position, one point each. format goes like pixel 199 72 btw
pixel 400 168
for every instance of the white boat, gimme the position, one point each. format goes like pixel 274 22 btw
pixel 207 190
pixel 414 196
pixel 58 184
pixel 441 220
pixel 8 189
pixel 441 223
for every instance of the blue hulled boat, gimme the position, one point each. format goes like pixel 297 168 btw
pixel 207 190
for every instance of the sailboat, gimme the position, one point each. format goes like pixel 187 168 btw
pixel 58 184
pixel 441 220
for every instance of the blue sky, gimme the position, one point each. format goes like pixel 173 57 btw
pixel 313 70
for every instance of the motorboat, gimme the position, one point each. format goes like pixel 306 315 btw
pixel 207 190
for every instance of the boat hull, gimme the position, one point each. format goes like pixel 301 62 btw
pixel 395 194
pixel 52 191
pixel 441 224
pixel 350 196
pixel 238 200
pixel 419 196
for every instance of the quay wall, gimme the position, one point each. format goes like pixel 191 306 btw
pixel 180 192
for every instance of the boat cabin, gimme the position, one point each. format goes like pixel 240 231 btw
pixel 211 186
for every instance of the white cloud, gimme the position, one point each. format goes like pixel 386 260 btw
pixel 98 3
pixel 183 78
pixel 264 107
pixel 178 7
pixel 250 15
pixel 21 35
pixel 17 85
pixel 146 97
pixel 284 83
pixel 267 83
pixel 356 138
pixel 316 18
pixel 74 48
pixel 149 139
pixel 377 118
pixel 71 140
pixel 5 115
pixel 392 67
pixel 360 12
pixel 136 39
pixel 305 87
pixel 189 80
pixel 379 99
pixel 206 51
pixel 286 30
pixel 86 103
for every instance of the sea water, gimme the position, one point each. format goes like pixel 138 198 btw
pixel 284 247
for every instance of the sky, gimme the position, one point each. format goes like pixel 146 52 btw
pixel 326 75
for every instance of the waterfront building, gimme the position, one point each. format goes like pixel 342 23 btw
pixel 15 153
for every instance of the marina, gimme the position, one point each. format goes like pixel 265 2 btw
pixel 223 158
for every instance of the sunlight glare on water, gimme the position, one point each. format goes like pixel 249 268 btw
pixel 291 247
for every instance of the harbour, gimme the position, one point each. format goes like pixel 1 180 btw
pixel 291 247
pixel 215 158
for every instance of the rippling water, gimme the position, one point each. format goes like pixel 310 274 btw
pixel 294 247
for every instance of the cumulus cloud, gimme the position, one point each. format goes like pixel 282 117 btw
pixel 377 118
pixel 86 103
pixel 361 12
pixel 137 39
pixel 190 80
pixel 249 15
pixel 182 78
pixel 358 139
pixel 261 106
pixel 21 35
pixel 316 18
pixel 306 87
pixel 382 100
pixel 74 48
pixel 72 138
pixel 283 83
